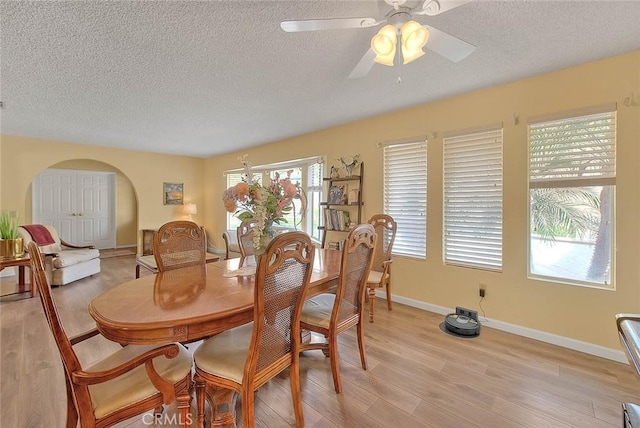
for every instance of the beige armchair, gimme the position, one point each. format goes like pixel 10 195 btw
pixel 65 262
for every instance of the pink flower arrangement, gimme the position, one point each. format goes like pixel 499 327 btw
pixel 251 201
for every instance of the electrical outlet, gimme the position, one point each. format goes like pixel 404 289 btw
pixel 482 290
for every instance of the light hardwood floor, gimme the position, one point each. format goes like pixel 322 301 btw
pixel 418 376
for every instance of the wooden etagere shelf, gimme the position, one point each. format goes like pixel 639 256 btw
pixel 343 205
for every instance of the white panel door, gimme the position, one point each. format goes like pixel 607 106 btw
pixel 79 204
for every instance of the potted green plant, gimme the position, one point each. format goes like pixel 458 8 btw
pixel 11 246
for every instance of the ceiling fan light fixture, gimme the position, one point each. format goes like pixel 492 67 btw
pixel 410 56
pixel 384 45
pixel 414 37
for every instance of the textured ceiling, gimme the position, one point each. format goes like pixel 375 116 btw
pixel 205 78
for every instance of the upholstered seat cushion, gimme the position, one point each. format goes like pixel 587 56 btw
pixel 224 355
pixel 374 277
pixel 73 257
pixel 134 385
pixel 317 310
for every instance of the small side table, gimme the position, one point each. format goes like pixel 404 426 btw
pixel 20 263
pixel 149 262
pixel 147 241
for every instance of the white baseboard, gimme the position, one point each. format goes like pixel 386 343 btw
pixel 7 272
pixel 576 345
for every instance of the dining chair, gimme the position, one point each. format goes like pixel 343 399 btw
pixel 380 274
pixel 179 244
pixel 129 382
pixel 244 358
pixel 245 240
pixel 331 314
pixel 232 249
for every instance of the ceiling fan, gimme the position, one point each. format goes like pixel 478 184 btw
pixel 399 26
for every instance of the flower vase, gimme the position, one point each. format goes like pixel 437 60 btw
pixel 348 170
pixel 268 233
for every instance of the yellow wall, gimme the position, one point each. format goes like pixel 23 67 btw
pixel 24 158
pixel 584 314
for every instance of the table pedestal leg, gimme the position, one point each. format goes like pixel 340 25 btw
pixel 223 407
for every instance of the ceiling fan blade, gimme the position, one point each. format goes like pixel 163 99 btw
pixel 327 24
pixel 436 7
pixel 450 47
pixel 364 65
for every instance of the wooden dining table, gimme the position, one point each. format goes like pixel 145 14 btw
pixel 193 303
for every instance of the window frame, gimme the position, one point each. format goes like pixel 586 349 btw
pixel 233 178
pixel 265 173
pixel 583 168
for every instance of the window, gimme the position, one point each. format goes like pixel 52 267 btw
pixel 405 195
pixel 572 179
pixel 307 172
pixel 314 196
pixel 293 217
pixel 472 230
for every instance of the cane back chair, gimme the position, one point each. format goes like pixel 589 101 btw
pixel 246 357
pixel 179 244
pixel 331 314
pixel 245 240
pixel 380 274
pixel 129 382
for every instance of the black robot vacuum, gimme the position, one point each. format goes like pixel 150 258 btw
pixel 463 322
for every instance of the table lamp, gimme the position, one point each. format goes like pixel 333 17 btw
pixel 191 209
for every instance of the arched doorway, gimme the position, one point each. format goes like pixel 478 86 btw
pixel 125 199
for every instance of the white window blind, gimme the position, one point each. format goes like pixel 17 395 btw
pixel 405 196
pixel 314 196
pixel 473 200
pixel 576 151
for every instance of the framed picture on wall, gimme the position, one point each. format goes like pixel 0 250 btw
pixel 173 193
